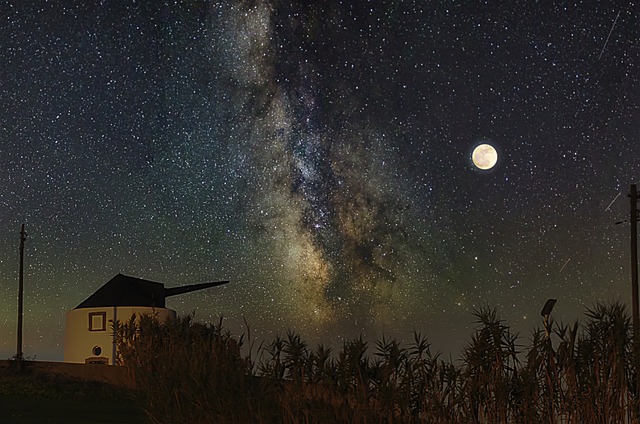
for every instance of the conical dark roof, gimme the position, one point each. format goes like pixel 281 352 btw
pixel 123 290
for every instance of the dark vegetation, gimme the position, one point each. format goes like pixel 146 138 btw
pixel 27 397
pixel 192 372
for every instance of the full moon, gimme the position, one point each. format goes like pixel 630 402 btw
pixel 484 156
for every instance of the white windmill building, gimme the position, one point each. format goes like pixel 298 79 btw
pixel 89 335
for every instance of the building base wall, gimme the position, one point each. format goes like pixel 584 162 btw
pixel 89 333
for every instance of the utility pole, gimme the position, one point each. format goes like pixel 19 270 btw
pixel 633 203
pixel 23 236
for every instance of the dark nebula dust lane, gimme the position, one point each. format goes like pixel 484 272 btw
pixel 331 203
pixel 318 156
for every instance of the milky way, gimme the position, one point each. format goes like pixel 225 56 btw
pixel 331 208
pixel 319 157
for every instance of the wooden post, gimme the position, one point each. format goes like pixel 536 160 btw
pixel 633 203
pixel 23 236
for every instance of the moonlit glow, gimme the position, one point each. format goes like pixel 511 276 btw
pixel 485 156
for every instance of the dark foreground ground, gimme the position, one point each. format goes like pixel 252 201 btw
pixel 29 397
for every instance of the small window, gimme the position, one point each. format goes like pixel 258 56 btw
pixel 97 351
pixel 97 321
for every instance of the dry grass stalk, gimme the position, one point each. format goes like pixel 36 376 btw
pixel 191 372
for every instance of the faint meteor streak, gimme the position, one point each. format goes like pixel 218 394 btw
pixel 608 208
pixel 608 36
pixel 565 264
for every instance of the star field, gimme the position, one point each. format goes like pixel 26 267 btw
pixel 318 157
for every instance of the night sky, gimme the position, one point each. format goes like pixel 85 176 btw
pixel 319 158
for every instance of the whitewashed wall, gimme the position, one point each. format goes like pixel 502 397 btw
pixel 79 341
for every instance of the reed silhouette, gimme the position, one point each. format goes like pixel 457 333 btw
pixel 187 371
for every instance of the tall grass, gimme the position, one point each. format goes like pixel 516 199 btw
pixel 581 373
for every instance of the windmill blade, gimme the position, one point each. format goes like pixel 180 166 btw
pixel 193 287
